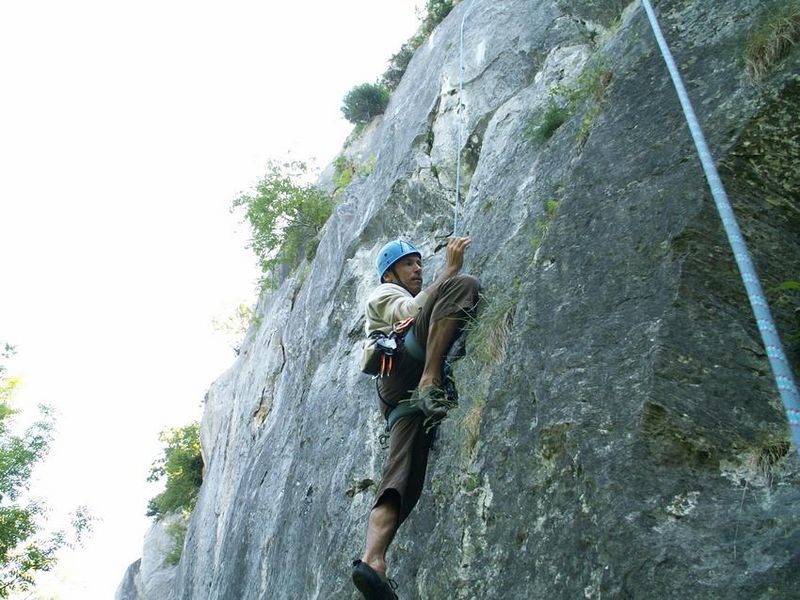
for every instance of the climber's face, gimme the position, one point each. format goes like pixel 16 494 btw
pixel 407 273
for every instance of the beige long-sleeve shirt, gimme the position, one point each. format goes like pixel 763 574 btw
pixel 390 303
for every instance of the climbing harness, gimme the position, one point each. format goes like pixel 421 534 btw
pixel 769 333
pixel 381 350
pixel 403 409
pixel 461 114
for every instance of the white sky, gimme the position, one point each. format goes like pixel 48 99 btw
pixel 126 129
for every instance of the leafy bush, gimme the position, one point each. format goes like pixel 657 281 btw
pixel 590 85
pixel 182 464
pixel 364 102
pixel 398 63
pixel 366 168
pixel 177 531
pixel 435 12
pixel 773 40
pixel 343 171
pixel 542 128
pixel 286 217
pixel 25 547
pixel 234 326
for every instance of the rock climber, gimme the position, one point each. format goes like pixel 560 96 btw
pixel 411 394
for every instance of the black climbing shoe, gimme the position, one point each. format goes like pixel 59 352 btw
pixel 372 584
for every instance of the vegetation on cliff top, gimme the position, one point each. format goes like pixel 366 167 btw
pixel 435 11
pixel 368 100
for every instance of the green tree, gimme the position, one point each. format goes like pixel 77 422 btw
pixel 26 548
pixel 435 12
pixel 182 464
pixel 177 530
pixel 398 63
pixel 235 325
pixel 364 102
pixel 285 216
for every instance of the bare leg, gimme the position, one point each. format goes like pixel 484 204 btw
pixel 440 336
pixel 381 530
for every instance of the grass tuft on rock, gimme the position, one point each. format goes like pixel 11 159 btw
pixel 489 332
pixel 773 40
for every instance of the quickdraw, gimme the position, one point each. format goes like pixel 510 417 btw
pixel 388 346
pixel 401 327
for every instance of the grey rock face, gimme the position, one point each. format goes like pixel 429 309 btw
pixel 130 588
pixel 624 439
pixel 151 577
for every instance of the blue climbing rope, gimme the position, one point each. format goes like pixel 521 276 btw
pixel 769 333
pixel 460 111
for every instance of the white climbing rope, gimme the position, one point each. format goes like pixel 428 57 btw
pixel 461 113
pixel 769 333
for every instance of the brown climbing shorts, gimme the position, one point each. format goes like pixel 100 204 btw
pixel 404 469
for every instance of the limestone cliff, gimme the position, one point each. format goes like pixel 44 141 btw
pixel 619 434
pixel 153 575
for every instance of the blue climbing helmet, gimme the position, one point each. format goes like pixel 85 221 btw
pixel 391 253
